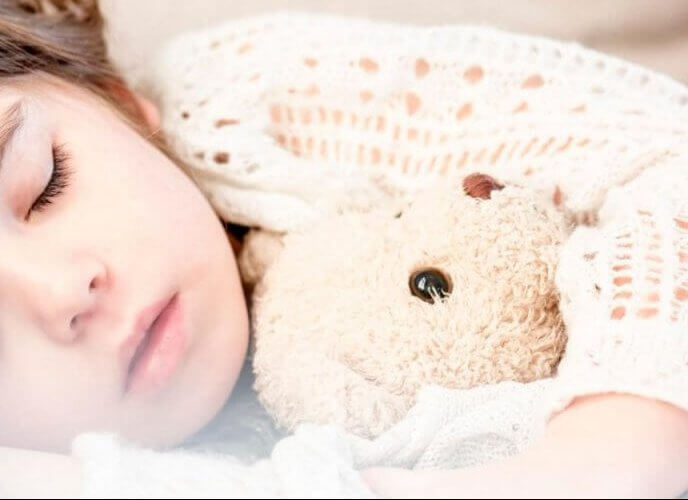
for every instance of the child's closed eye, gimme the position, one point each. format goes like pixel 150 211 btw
pixel 58 182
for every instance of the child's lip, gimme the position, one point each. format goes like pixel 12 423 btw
pixel 161 351
pixel 144 320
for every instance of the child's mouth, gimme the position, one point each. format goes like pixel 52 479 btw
pixel 159 350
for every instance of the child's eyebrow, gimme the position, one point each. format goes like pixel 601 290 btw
pixel 10 121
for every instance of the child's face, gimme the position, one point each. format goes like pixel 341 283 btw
pixel 83 277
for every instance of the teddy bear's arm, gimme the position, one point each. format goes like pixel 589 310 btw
pixel 299 380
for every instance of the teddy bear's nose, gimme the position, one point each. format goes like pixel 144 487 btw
pixel 479 185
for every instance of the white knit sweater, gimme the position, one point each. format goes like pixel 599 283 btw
pixel 284 117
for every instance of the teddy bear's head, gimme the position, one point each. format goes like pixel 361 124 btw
pixel 455 288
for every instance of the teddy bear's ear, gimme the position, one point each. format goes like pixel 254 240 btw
pixel 259 250
pixel 479 185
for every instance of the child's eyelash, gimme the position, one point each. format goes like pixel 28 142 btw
pixel 59 180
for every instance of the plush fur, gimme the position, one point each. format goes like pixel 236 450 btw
pixel 339 336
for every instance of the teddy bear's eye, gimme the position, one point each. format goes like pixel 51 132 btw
pixel 429 283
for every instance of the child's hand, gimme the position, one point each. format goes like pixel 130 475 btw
pixel 602 446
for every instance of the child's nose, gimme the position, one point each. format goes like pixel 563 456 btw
pixel 68 303
pixel 83 308
pixel 62 296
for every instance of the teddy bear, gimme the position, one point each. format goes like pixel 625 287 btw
pixel 453 287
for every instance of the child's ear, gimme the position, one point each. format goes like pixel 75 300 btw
pixel 146 111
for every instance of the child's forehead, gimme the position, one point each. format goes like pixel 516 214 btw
pixel 9 97
pixel 39 86
pixel 19 100
pixel 48 101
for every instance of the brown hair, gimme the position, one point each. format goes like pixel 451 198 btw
pixel 63 38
